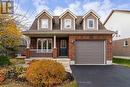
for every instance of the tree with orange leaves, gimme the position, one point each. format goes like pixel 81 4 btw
pixel 10 34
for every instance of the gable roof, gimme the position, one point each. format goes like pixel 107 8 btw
pixel 44 11
pixel 113 12
pixel 91 12
pixel 68 11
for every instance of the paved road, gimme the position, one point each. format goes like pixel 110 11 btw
pixel 101 75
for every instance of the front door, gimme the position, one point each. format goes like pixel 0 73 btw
pixel 63 48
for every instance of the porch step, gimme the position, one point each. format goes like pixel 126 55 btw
pixel 35 54
pixel 64 61
pixel 27 61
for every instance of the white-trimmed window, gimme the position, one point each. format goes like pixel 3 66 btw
pixel 44 23
pixel 44 45
pixel 67 23
pixel 125 43
pixel 90 24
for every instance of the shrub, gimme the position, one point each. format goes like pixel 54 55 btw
pixel 45 72
pixel 11 74
pixel 69 77
pixel 21 77
pixel 20 69
pixel 15 72
pixel 2 75
pixel 4 60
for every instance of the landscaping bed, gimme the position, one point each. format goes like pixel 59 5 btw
pixel 40 73
pixel 20 81
pixel 12 83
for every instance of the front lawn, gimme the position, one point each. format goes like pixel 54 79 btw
pixel 124 62
pixel 9 83
pixel 71 84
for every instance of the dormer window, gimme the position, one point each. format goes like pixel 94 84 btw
pixel 90 23
pixel 67 23
pixel 44 23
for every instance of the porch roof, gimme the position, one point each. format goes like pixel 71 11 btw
pixel 66 32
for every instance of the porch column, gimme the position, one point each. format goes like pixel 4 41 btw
pixel 27 39
pixel 55 41
pixel 55 48
pixel 28 43
pixel 28 46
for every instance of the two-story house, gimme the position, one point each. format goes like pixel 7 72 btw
pixel 119 20
pixel 82 39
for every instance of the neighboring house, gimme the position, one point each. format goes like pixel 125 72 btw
pixel 119 20
pixel 82 39
pixel 121 47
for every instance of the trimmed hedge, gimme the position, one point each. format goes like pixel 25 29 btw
pixel 4 60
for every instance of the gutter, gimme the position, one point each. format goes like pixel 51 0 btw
pixel 67 32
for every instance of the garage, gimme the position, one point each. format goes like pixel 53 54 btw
pixel 90 52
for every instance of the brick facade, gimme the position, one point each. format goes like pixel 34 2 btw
pixel 119 49
pixel 72 48
pixel 55 52
pixel 73 38
pixel 27 53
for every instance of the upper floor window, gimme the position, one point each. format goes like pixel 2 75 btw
pixel 90 23
pixel 44 23
pixel 67 23
pixel 126 43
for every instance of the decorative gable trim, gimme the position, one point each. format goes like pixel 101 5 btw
pixel 71 14
pixel 93 13
pixel 48 14
pixel 44 11
pixel 68 11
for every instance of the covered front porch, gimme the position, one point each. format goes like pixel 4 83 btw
pixel 50 46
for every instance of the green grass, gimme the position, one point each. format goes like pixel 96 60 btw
pixel 71 84
pixel 9 83
pixel 124 62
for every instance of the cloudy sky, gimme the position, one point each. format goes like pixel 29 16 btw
pixel 31 8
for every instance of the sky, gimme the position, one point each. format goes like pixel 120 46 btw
pixel 31 8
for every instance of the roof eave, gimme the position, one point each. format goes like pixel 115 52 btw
pixel 108 17
pixel 28 33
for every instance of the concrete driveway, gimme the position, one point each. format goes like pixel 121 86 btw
pixel 101 75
